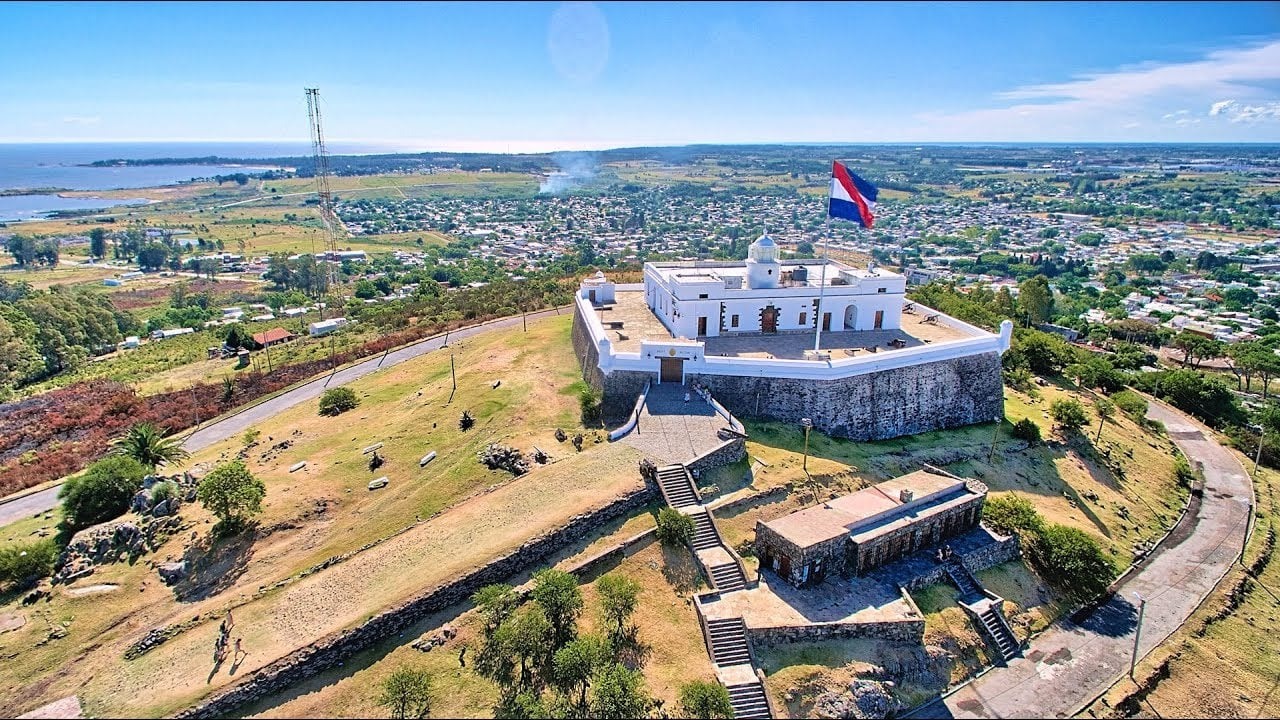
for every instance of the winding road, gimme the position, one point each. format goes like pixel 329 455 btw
pixel 1074 661
pixel 38 502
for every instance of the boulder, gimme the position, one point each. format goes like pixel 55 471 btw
pixel 162 509
pixel 862 699
pixel 172 572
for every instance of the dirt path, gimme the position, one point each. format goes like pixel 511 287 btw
pixel 1067 666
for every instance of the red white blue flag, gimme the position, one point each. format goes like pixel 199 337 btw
pixel 852 198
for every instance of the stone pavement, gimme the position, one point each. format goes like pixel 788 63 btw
pixel 1071 663
pixel 673 431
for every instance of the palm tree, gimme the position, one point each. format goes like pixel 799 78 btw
pixel 145 443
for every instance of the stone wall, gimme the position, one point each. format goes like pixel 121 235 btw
pixel 905 631
pixel 337 647
pixel 978 550
pixel 619 389
pixel 875 406
pixel 728 452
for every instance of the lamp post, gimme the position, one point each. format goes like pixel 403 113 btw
pixel 807 424
pixel 994 434
pixel 1137 633
pixel 1262 434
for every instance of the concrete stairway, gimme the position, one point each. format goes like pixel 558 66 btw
pixel 728 641
pixel 749 701
pixel 727 577
pixel 705 536
pixel 999 631
pixel 965 582
pixel 677 486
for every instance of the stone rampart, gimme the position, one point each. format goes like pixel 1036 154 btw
pixel 334 648
pixel 875 406
pixel 727 453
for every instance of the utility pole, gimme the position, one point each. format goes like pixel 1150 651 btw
pixel 1137 633
pixel 995 433
pixel 1262 434
pixel 807 424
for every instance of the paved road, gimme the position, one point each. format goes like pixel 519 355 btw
pixel 1068 665
pixel 236 424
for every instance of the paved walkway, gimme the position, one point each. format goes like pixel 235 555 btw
pixel 1070 664
pixel 236 424
pixel 672 430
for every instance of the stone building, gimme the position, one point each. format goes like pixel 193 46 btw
pixel 873 526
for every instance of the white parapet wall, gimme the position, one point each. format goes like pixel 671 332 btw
pixel 696 360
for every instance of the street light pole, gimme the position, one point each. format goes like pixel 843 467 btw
pixel 994 434
pixel 807 424
pixel 1262 434
pixel 1137 633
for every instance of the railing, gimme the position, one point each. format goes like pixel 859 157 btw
pixel 635 416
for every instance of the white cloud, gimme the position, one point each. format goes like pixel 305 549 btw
pixel 1105 105
pixel 81 120
pixel 1240 113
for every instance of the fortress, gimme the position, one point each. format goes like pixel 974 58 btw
pixel 746 330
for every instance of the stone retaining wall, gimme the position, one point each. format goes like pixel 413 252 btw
pixel 729 452
pixel 905 631
pixel 619 389
pixel 876 406
pixel 336 647
pixel 988 555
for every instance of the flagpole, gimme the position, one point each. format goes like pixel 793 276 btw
pixel 822 286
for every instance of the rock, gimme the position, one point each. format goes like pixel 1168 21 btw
pixel 862 699
pixel 172 572
pixel 162 509
pixel 141 502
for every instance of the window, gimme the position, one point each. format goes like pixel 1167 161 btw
pixel 703 296
pixel 804 317
pixel 733 321
pixel 880 290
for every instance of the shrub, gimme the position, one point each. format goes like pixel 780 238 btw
pixel 1069 414
pixel 1007 514
pixel 466 420
pixel 1131 404
pixel 1073 560
pixel 1027 429
pixel 589 403
pixel 23 563
pixel 232 494
pixel 703 699
pixel 103 492
pixel 162 491
pixel 674 527
pixel 336 401
pixel 1183 473
pixel 147 444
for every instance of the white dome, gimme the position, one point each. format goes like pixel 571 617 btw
pixel 764 241
pixel 763 250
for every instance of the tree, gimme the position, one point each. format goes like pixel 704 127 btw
pixel 1073 560
pixel 232 494
pixel 336 401
pixel 152 256
pixel 674 527
pixel 1007 514
pixel 366 290
pixel 1036 298
pixel 1069 414
pixel 98 243
pixel 145 443
pixel 618 598
pixel 617 692
pixel 1027 429
pixel 238 337
pixel 703 699
pixel 1104 409
pixel 406 692
pixel 560 597
pixel 495 602
pixel 575 664
pixel 102 492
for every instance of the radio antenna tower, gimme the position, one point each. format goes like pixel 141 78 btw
pixel 321 158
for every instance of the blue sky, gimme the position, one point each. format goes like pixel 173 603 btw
pixel 543 76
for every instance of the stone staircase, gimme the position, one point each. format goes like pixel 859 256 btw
pixel 983 606
pixel 748 700
pixel 677 486
pixel 705 536
pixel 727 577
pixel 728 638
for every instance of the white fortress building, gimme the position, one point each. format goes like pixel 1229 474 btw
pixel 746 331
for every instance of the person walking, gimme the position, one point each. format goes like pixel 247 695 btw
pixel 235 659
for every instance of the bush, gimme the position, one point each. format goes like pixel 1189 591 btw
pixel 406 693
pixel 1069 414
pixel 232 494
pixel 23 563
pixel 466 420
pixel 1027 429
pixel 162 491
pixel 336 401
pixel 703 699
pixel 589 402
pixel 1008 514
pixel 674 527
pixel 1073 560
pixel 102 493
pixel 1131 404
pixel 1183 473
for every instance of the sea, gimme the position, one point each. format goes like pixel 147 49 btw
pixel 64 166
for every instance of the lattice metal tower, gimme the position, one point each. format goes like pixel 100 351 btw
pixel 321 157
